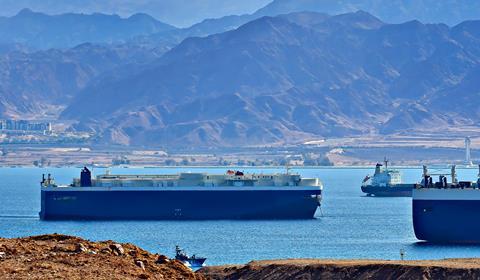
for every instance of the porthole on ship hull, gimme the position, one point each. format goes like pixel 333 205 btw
pixel 425 210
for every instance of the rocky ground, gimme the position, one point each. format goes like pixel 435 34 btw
pixel 348 269
pixel 66 257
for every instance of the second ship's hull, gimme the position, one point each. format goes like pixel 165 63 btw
pixel 181 203
pixel 400 190
pixel 446 215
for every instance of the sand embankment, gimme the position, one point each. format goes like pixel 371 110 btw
pixel 348 269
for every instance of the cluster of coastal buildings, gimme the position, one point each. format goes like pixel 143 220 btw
pixel 10 125
pixel 15 131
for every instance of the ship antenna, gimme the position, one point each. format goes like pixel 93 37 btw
pixel 454 175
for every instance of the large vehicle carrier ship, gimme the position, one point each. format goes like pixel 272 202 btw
pixel 446 212
pixel 189 196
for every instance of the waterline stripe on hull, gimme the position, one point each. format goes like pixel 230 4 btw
pixel 180 189
pixel 404 190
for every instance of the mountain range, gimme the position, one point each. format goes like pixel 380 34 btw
pixel 290 78
pixel 43 31
pixel 271 77
pixel 40 84
pixel 182 13
pixel 186 13
pixel 450 12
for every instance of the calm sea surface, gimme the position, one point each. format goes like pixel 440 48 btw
pixel 350 225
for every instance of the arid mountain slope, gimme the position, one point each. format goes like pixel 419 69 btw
pixel 39 84
pixel 287 79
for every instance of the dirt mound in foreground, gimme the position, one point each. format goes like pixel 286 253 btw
pixel 348 269
pixel 66 257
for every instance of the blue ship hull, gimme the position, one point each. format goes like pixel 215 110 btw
pixel 446 221
pixel 401 190
pixel 186 204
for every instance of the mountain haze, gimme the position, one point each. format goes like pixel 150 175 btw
pixel 43 31
pixel 451 12
pixel 182 13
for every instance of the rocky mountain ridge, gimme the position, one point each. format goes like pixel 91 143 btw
pixel 273 80
pixel 451 12
pixel 290 78
pixel 42 31
pixel 40 84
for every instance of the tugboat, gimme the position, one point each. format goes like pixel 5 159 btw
pixel 190 261
pixel 386 182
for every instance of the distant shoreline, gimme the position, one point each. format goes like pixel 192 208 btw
pixel 238 167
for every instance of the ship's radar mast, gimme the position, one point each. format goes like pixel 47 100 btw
pixel 454 174
pixel 425 171
pixel 468 159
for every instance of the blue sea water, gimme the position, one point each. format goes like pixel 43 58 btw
pixel 349 225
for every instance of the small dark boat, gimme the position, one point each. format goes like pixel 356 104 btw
pixel 190 261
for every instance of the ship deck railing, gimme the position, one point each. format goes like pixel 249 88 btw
pixel 459 185
pixel 137 177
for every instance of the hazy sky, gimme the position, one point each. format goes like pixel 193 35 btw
pixel 181 13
